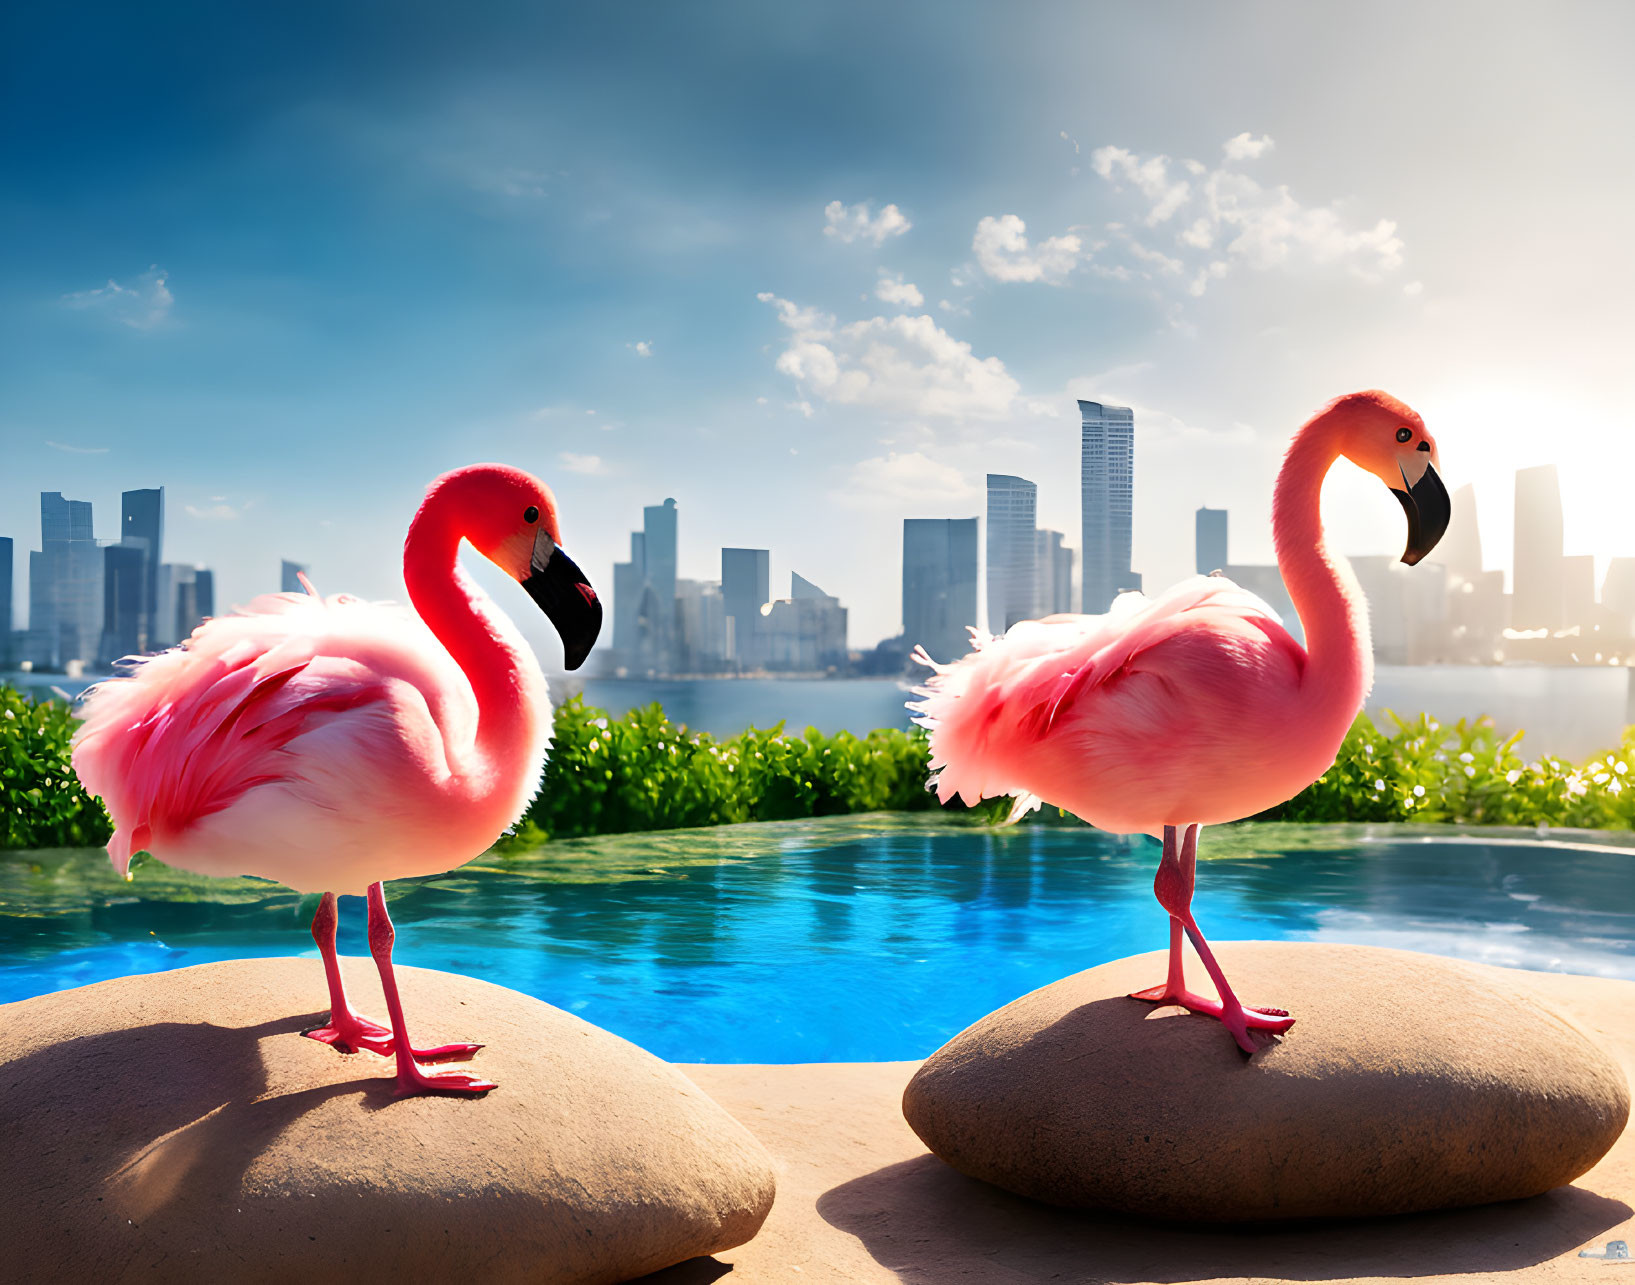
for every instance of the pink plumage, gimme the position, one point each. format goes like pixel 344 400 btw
pixel 1196 707
pixel 332 743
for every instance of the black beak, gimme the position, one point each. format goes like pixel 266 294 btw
pixel 557 584
pixel 1428 508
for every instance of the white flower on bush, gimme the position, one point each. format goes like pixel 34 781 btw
pixel 1379 785
pixel 1513 775
pixel 1419 791
pixel 1467 757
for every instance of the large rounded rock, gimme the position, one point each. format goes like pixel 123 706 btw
pixel 177 1127
pixel 1408 1082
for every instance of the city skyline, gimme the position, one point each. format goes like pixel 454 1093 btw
pixel 534 240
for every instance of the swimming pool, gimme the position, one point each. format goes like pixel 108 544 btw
pixel 847 939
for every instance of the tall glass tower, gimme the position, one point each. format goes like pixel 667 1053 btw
pixel 939 584
pixel 1107 478
pixel 142 526
pixel 1537 598
pixel 1013 504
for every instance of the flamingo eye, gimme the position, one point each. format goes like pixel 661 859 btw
pixel 1403 434
pixel 531 514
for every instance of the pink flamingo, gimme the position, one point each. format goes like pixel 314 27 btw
pixel 331 744
pixel 1196 707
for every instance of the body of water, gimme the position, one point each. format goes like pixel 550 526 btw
pixel 847 939
pixel 1573 711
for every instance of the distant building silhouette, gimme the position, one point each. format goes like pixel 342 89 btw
pixel 1407 608
pixel 659 528
pixel 1210 541
pixel 142 527
pixel 701 627
pixel 939 584
pixel 124 601
pixel 1052 574
pixel 1107 480
pixel 1618 597
pixel 187 596
pixel 289 576
pixel 64 586
pixel 1012 548
pixel 6 555
pixel 746 587
pixel 805 632
pixel 1537 600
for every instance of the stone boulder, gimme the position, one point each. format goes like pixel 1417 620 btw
pixel 177 1127
pixel 1408 1082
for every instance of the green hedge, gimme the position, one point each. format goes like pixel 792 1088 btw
pixel 642 772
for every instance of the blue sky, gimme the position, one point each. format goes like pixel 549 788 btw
pixel 807 269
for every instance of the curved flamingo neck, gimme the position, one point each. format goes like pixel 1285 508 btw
pixel 482 642
pixel 1325 593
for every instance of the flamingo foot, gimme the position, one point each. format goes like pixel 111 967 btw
pixel 349 1033
pixel 412 1081
pixel 1240 1019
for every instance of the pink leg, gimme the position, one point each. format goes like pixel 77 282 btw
pixel 410 1078
pixel 347 1031
pixel 1173 888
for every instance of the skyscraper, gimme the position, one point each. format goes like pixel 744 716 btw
pixel 1536 598
pixel 1012 510
pixel 1210 541
pixel 204 598
pixel 289 576
pixel 659 528
pixel 1052 574
pixel 65 585
pixel 142 526
pixel 939 584
pixel 1106 477
pixel 746 587
pixel 5 601
pixel 629 578
pixel 124 593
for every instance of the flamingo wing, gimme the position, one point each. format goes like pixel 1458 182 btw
pixel 196 729
pixel 1102 682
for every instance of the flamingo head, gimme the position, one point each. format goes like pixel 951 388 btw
pixel 1384 436
pixel 510 518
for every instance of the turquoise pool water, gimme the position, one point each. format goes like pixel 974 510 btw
pixel 847 939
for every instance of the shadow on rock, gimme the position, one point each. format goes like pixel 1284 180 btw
pixel 930 1224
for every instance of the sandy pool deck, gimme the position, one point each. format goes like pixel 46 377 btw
pixel 860 1199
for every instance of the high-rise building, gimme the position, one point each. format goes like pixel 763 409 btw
pixel 124 595
pixel 1407 609
pixel 1618 596
pixel 746 587
pixel 6 659
pixel 805 632
pixel 939 584
pixel 204 598
pixel 1210 541
pixel 289 576
pixel 64 586
pixel 1460 549
pixel 187 597
pixel 1012 518
pixel 659 529
pixel 1578 593
pixel 1052 574
pixel 1107 480
pixel 142 526
pixel 1536 576
pixel 629 579
pixel 701 627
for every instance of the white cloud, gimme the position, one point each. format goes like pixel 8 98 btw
pixel 1246 147
pixel 214 512
pixel 901 365
pixel 1231 220
pixel 893 289
pixel 859 222
pixel 588 465
pixel 76 450
pixel 1149 176
pixel 641 348
pixel 894 480
pixel 141 306
pixel 1002 250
